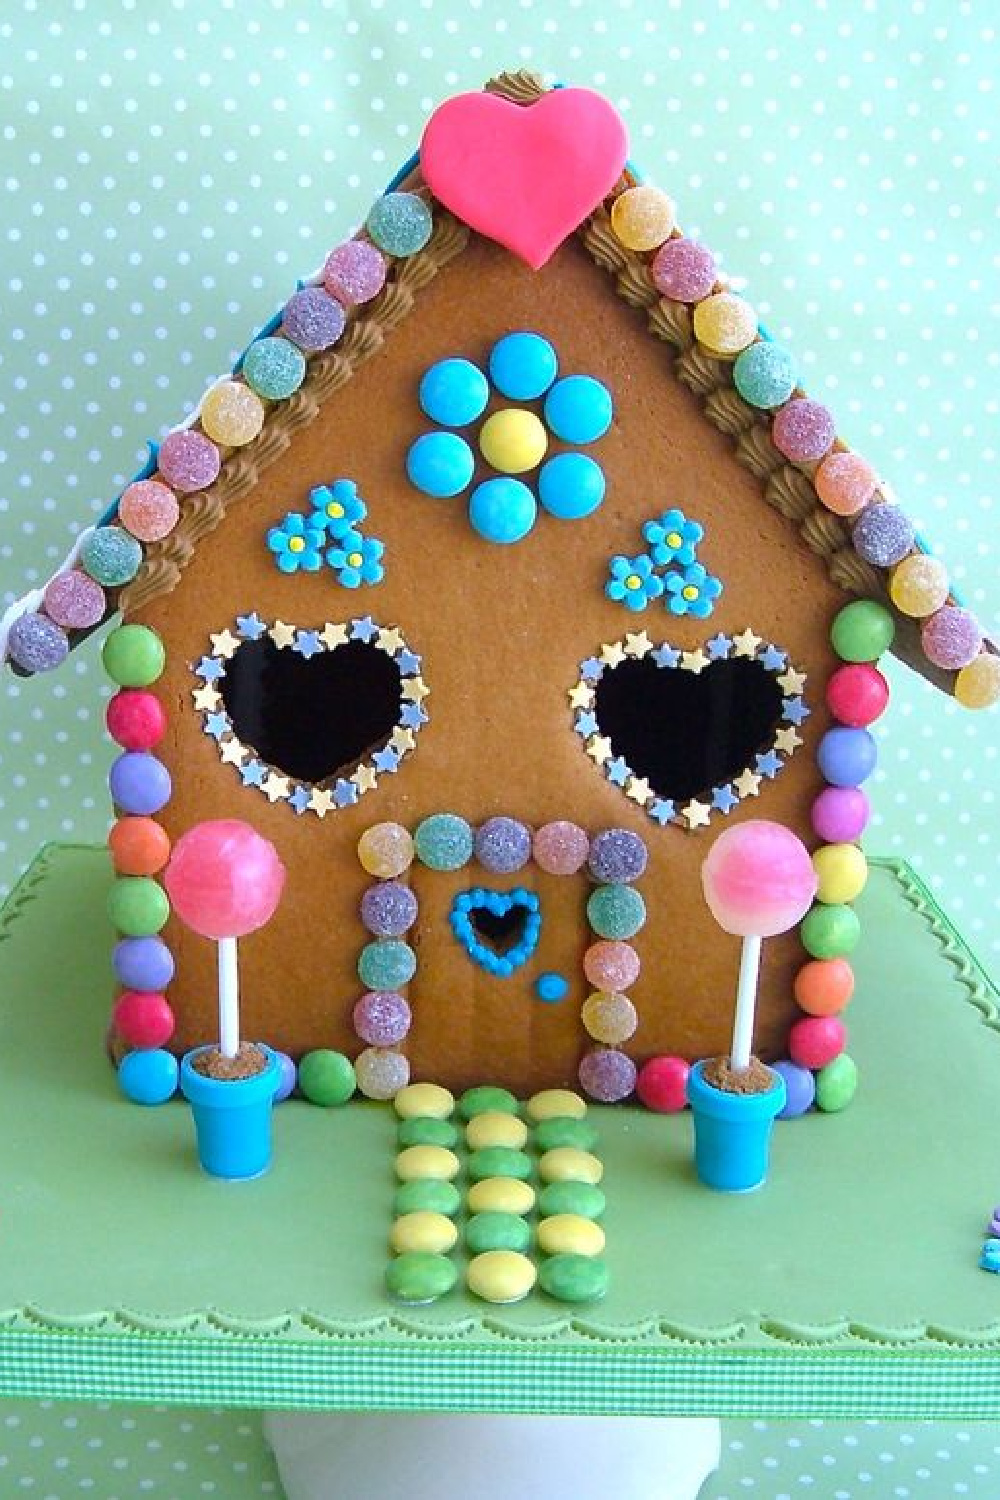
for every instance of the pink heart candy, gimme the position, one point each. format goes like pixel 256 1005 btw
pixel 524 175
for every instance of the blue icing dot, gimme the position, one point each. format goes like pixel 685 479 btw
pixel 148 1076
pixel 386 964
pixel 523 366
pixel 400 223
pixel 578 409
pixel 551 987
pixel 765 375
pixel 440 464
pixel 454 392
pixel 570 486
pixel 502 510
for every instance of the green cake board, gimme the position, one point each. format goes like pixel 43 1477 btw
pixel 848 1286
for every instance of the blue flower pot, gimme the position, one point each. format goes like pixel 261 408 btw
pixel 732 1132
pixel 232 1118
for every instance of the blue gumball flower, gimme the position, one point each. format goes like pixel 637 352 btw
pixel 632 582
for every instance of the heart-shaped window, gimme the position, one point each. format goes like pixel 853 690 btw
pixel 312 717
pixel 499 930
pixel 686 734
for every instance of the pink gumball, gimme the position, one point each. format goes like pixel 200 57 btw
pixel 816 1040
pixel 758 879
pixel 223 879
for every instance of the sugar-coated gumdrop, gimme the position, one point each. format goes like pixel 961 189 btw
pixel 725 324
pixel 326 1077
pixel 560 848
pixel 149 510
pixel 313 320
pixel 386 964
pixel 845 482
pixel 513 440
pixel 857 694
pixel 842 873
pixel 840 814
pixel 919 585
pixel 616 912
pixel 609 1017
pixel 610 965
pixel 800 1089
pixel 758 879
pixel 978 684
pixel 274 367
pixel 74 600
pixel 816 1040
pixel 223 879
pixel 148 1076
pixel 824 986
pixel 617 854
pixel 381 1072
pixel 683 270
pixel 354 272
pixel 388 909
pixel 188 460
pixel 143 1019
pixel 110 556
pixel 606 1075
pixel 386 850
pixel 137 720
pixel 662 1084
pixel 951 638
pixel 400 223
pixel 139 846
pixel 765 375
pixel 862 631
pixel 231 413
pixel 503 845
pixel 381 1018
pixel 883 535
pixel 803 430
pixel 643 217
pixel 36 644
pixel 444 841
pixel 836 1084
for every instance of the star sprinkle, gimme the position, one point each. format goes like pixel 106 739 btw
pixel 698 814
pixel 345 793
pixel 768 764
pixel 612 653
pixel 724 799
pixel 364 629
pixel 402 740
pixel 599 749
pixel 251 627
pixel 747 783
pixel 581 696
pixel 662 811
pixel 299 800
pixel 592 669
pixel 411 716
pixel 718 647
pixel 772 658
pixel 794 710
pixel 618 771
pixel 224 644
pixel 791 682
pixel 364 778
pixel 321 801
pixel 408 663
pixel 253 773
pixel 210 669
pixel 637 644
pixel 307 643
pixel 786 740
pixel 275 788
pixel 694 661
pixel 746 643
pixel 390 640
pixel 586 725
pixel 232 752
pixel 282 635
pixel 666 656
pixel 386 760
pixel 206 698
pixel 415 689
pixel 639 790
pixel 217 725
pixel 333 636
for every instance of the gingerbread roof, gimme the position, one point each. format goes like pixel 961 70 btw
pixel 340 318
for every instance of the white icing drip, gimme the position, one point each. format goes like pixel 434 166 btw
pixel 31 602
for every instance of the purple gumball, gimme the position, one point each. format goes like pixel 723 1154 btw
pixel 800 1088
pixel 140 783
pixel 846 757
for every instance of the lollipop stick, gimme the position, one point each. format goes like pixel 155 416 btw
pixel 229 998
pixel 746 997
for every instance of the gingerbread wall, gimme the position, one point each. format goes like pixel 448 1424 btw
pixel 501 632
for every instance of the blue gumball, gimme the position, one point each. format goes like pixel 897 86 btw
pixel 502 510
pixel 579 409
pixel 570 486
pixel 148 1076
pixel 454 392
pixel 523 366
pixel 440 464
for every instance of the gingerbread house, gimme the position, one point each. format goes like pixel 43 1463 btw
pixel 508 565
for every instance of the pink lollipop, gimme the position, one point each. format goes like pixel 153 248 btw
pixel 224 881
pixel 758 881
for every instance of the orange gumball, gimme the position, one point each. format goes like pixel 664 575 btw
pixel 139 846
pixel 824 986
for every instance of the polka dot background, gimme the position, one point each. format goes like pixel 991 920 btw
pixel 167 172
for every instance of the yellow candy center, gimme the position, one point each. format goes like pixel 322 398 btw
pixel 335 510
pixel 689 593
pixel 355 559
pixel 674 539
pixel 513 441
pixel 296 544
pixel 633 581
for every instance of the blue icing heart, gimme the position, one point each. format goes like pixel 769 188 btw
pixel 481 901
